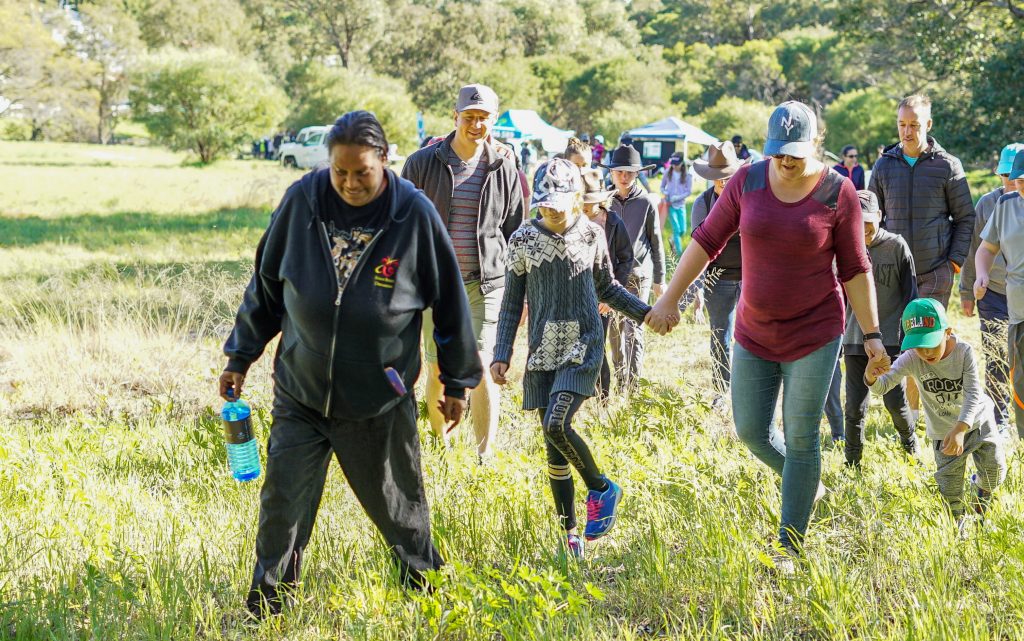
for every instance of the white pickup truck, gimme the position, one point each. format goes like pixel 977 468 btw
pixel 309 149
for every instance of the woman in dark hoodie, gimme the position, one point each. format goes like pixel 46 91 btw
pixel 352 257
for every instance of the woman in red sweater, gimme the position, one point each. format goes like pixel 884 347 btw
pixel 796 217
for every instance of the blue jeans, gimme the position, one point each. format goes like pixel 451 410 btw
pixel 994 317
pixel 721 299
pixel 805 383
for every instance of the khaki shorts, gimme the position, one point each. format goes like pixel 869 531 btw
pixel 484 309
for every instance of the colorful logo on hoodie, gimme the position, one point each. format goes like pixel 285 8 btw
pixel 384 273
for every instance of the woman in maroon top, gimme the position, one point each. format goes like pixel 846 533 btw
pixel 796 217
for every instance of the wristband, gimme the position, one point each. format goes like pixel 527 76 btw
pixel 871 335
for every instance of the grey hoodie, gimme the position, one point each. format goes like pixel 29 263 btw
pixel 640 216
pixel 895 285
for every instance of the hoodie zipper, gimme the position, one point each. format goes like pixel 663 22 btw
pixel 337 303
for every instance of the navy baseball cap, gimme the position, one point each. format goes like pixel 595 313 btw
pixel 792 130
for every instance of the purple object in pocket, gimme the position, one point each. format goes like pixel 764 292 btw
pixel 395 380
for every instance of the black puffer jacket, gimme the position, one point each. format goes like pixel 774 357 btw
pixel 929 204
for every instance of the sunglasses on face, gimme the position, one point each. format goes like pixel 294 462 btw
pixel 851 155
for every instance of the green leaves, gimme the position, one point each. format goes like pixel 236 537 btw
pixel 209 102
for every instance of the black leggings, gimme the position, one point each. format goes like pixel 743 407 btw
pixel 566 447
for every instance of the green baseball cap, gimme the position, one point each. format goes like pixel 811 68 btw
pixel 924 324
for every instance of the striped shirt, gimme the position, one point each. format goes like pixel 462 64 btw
pixel 465 210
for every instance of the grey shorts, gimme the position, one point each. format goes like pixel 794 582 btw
pixel 484 308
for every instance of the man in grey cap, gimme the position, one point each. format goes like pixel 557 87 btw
pixel 477 192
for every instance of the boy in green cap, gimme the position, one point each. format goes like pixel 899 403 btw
pixel 958 413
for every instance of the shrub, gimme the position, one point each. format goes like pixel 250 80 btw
pixel 208 102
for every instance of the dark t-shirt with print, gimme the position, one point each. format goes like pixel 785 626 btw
pixel 351 229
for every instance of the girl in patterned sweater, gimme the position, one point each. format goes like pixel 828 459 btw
pixel 560 262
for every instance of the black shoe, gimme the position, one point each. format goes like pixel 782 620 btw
pixel 261 605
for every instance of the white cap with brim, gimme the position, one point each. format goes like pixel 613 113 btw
pixel 792 130
pixel 557 201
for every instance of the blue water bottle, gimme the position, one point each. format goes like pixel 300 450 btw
pixel 243 452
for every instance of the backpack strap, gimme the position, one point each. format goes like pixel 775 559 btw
pixel 708 193
pixel 756 177
pixel 828 193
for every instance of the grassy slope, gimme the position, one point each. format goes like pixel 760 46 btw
pixel 119 279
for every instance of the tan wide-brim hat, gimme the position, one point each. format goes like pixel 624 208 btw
pixel 721 163
pixel 593 187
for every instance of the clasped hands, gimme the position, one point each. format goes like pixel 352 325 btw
pixel 878 359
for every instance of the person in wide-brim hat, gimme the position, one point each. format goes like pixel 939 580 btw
pixel 627 158
pixel 593 187
pixel 721 163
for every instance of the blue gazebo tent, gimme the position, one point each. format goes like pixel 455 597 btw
pixel 657 140
pixel 526 124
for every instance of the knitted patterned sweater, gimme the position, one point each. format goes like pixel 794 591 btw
pixel 564 276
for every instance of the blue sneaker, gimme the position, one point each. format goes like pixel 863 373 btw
pixel 575 546
pixel 601 510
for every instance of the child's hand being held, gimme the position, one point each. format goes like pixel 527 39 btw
pixel 498 371
pixel 953 444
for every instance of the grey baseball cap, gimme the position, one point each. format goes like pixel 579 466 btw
pixel 479 97
pixel 869 210
pixel 792 129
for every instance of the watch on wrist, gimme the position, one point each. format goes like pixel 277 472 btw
pixel 871 335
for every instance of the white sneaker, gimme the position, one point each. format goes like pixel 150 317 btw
pixel 822 491
pixel 783 561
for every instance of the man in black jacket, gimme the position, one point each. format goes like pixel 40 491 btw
pixel 352 257
pixel 477 191
pixel 924 196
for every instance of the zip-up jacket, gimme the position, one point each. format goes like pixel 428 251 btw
pixel 336 343
pixel 620 250
pixel 501 201
pixel 928 204
pixel 640 215
pixel 857 177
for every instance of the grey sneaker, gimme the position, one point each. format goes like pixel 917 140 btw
pixel 963 527
pixel 783 559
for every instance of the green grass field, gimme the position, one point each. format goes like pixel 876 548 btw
pixel 120 269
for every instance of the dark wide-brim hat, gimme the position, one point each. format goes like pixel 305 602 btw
pixel 626 158
pixel 721 163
